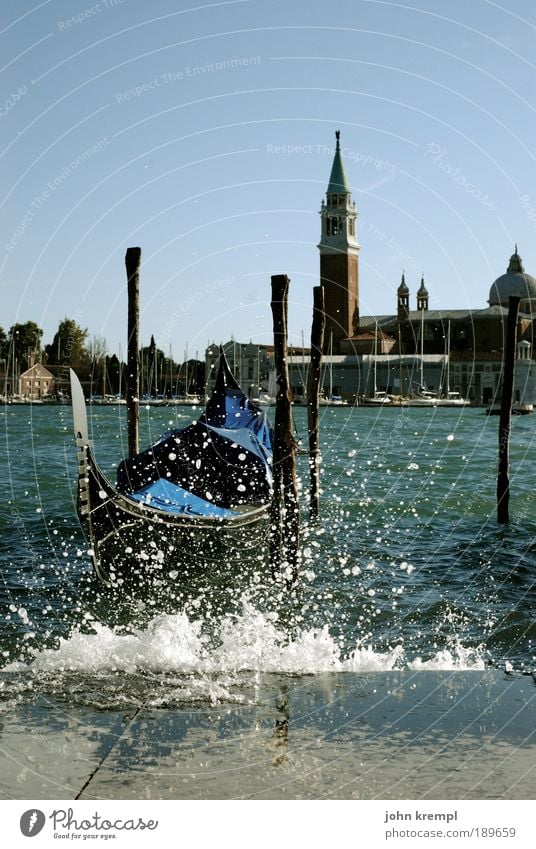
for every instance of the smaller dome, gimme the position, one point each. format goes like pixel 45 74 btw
pixel 403 289
pixel 515 282
pixel 423 291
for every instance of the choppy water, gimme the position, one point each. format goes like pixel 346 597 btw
pixel 406 569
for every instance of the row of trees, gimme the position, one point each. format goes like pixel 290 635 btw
pixel 100 372
pixel 24 340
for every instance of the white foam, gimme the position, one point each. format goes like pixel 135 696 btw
pixel 248 641
pixel 458 659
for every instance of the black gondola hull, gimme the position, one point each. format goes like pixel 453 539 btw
pixel 131 541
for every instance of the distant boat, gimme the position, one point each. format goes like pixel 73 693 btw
pixel 424 397
pixel 332 401
pixel 517 409
pixel 267 399
pixel 106 400
pixel 186 401
pixel 452 399
pixel 378 398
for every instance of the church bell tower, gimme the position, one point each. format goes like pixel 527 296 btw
pixel 339 251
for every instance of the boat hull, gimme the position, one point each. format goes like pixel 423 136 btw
pixel 131 542
pixel 517 410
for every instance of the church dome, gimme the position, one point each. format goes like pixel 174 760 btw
pixel 422 291
pixel 515 282
pixel 403 289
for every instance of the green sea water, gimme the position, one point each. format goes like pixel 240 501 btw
pixel 407 567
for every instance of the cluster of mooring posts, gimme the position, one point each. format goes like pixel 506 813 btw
pixel 284 538
pixel 285 508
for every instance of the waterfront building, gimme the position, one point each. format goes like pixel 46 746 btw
pixel 458 350
pixel 249 363
pixel 36 383
pixel 404 351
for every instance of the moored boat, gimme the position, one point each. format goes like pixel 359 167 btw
pixel 452 399
pixel 379 399
pixel 196 495
pixel 518 409
pixel 423 398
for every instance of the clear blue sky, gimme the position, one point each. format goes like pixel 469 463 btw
pixel 203 132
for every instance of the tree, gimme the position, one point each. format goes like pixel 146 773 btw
pixel 152 364
pixel 191 378
pixel 114 375
pixel 68 347
pixel 24 339
pixel 98 348
pixel 4 344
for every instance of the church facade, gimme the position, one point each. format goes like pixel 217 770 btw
pixel 407 349
pixel 461 348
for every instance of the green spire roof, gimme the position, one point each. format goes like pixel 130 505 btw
pixel 338 181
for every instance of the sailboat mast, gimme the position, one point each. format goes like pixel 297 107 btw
pixel 400 360
pixel 120 357
pixel 422 348
pixel 303 376
pixel 448 359
pixel 375 358
pixel 331 365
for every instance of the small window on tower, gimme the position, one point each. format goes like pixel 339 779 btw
pixel 334 227
pixel 351 226
pixel 328 226
pixel 342 200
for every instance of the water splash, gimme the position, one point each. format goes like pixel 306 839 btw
pixel 248 641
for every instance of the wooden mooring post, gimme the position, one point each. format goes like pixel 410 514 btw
pixel 132 262
pixel 313 397
pixel 509 358
pixel 284 515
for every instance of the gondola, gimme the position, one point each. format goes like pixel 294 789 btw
pixel 195 498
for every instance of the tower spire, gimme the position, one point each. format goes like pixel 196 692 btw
pixel 339 254
pixel 422 296
pixel 338 180
pixel 402 299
